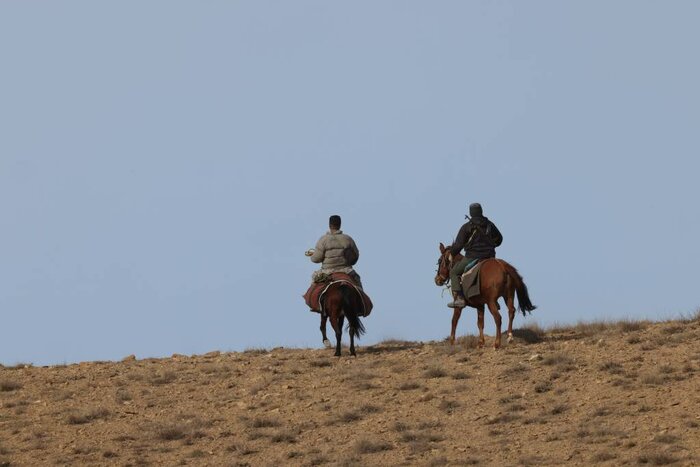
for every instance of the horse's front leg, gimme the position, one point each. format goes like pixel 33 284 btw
pixel 455 319
pixel 324 319
pixel 480 325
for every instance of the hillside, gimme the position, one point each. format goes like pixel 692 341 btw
pixel 618 393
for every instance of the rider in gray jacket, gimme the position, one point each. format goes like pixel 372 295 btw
pixel 336 251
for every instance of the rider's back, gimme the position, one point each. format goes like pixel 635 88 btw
pixel 336 251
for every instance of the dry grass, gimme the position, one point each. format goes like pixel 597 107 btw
pixel 409 386
pixel 163 377
pixel 467 342
pixel 656 458
pixel 435 372
pixel 320 363
pixel 400 404
pixel 612 367
pixel 366 446
pixel 8 386
pixel 532 333
pixel 83 416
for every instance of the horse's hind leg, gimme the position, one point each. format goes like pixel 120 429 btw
pixel 455 319
pixel 493 308
pixel 480 325
pixel 352 342
pixel 338 327
pixel 324 319
pixel 510 303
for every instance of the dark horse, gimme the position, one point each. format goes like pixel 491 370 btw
pixel 341 301
pixel 498 279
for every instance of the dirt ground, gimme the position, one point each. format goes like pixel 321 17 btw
pixel 616 394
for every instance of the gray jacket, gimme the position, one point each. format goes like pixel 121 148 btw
pixel 336 250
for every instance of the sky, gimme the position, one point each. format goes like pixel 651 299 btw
pixel 164 165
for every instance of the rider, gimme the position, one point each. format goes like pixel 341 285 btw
pixel 337 251
pixel 479 238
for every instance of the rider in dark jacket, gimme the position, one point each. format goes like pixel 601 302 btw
pixel 479 238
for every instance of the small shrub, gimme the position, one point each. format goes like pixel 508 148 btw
pixel 409 386
pixel 665 438
pixel 284 436
pixel 263 422
pixel 612 367
pixel 369 409
pixel 543 386
pixel 123 396
pixel 86 416
pixel 448 406
pixel 632 326
pixel 349 417
pixel 531 334
pixel 603 456
pixel 164 377
pixel 7 386
pixel 505 418
pixel 171 433
pixel 656 458
pixel 468 342
pixel 366 446
pixel 460 375
pixel 432 424
pixel 558 359
pixel 675 329
pixel 435 372
pixel 508 399
pixel 654 379
pixel 399 427
pixel 320 363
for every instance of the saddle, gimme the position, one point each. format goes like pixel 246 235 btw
pixel 314 296
pixel 471 285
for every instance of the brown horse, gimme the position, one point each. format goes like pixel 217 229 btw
pixel 342 301
pixel 498 279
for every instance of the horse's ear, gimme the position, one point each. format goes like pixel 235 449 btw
pixel 442 248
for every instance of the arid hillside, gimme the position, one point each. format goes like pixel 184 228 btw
pixel 618 394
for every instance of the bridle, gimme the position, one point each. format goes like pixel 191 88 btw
pixel 444 258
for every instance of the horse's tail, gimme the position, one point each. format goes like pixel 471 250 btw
pixel 352 304
pixel 524 303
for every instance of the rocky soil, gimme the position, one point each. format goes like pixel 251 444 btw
pixel 603 393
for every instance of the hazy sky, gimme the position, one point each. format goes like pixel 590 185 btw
pixel 164 164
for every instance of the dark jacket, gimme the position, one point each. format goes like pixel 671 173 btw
pixel 479 238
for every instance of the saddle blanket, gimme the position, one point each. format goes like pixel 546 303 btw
pixel 314 296
pixel 471 283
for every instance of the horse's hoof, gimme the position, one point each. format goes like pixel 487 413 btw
pixel 510 339
pixel 327 343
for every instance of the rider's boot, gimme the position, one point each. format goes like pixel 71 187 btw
pixel 459 301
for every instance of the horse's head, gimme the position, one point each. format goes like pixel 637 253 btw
pixel 444 266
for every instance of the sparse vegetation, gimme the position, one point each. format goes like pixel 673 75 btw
pixel 366 446
pixel 8 385
pixel 435 372
pixel 87 415
pixel 409 386
pixel 398 404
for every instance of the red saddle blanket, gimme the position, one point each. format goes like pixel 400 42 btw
pixel 314 295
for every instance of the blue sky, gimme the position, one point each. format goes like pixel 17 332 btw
pixel 164 165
